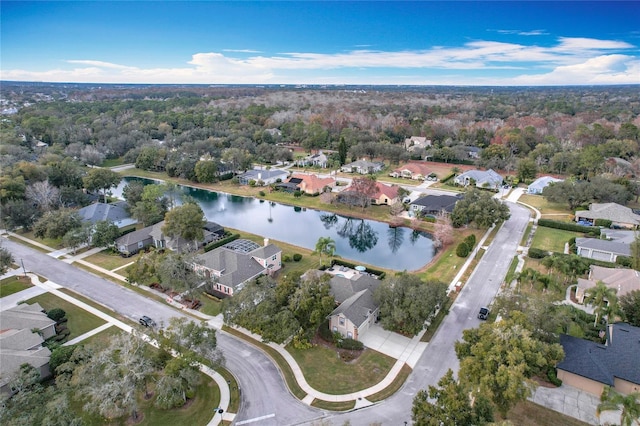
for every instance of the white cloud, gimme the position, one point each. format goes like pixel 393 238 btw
pixel 569 61
pixel 241 50
pixel 523 33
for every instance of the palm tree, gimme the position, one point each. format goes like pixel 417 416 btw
pixel 629 404
pixel 325 245
pixel 603 299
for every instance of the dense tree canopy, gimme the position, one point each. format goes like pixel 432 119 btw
pixel 407 302
pixel 479 208
pixel 499 358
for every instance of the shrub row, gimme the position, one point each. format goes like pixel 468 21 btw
pixel 536 253
pixel 447 178
pixel 567 226
pixel 347 343
pixel 603 222
pixel 221 242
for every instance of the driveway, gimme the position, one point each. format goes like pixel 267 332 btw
pixel 393 344
pixel 572 402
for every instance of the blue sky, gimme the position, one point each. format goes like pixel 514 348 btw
pixel 301 42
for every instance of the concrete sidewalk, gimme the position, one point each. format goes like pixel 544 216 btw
pixel 53 288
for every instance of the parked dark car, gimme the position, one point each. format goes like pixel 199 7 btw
pixel 484 313
pixel 146 321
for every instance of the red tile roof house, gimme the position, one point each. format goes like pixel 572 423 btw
pixel 312 184
pixel 386 195
pixel 415 171
pixel 233 264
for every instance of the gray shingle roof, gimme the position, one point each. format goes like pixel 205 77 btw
pixel 610 211
pixel 604 245
pixel 343 288
pixel 236 267
pixel 357 308
pixel 25 316
pixel 437 202
pixel 603 363
pixel 97 212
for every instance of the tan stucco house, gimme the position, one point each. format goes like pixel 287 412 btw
pixel 591 366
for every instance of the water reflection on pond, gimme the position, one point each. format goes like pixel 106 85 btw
pixel 360 240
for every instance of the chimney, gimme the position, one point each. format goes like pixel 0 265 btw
pixel 266 242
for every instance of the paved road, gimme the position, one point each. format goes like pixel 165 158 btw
pixel 264 395
pixel 265 399
pixel 440 355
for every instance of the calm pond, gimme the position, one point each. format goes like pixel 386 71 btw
pixel 359 240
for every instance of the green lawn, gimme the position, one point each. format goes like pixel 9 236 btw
pixel 530 414
pixel 545 207
pixel 108 260
pixel 79 320
pixel 327 373
pixel 552 239
pixel 49 242
pixel 13 285
pixel 209 306
pixel 198 411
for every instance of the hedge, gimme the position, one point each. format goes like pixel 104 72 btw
pixel 535 253
pixel 603 222
pixel 351 344
pixel 297 257
pixel 567 226
pixel 221 242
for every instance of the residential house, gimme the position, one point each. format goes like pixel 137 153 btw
pixel 415 171
pixel 386 194
pixel 538 185
pixel 132 242
pixel 363 167
pixel 416 142
pixel 267 177
pixel 619 215
pixel 161 241
pixel 356 309
pixel 434 204
pixel 595 248
pixel 473 152
pixel 618 167
pixel 115 213
pixel 622 280
pixel 233 264
pixel 591 366
pixel 482 178
pixel 23 331
pixel 314 160
pixel 309 184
